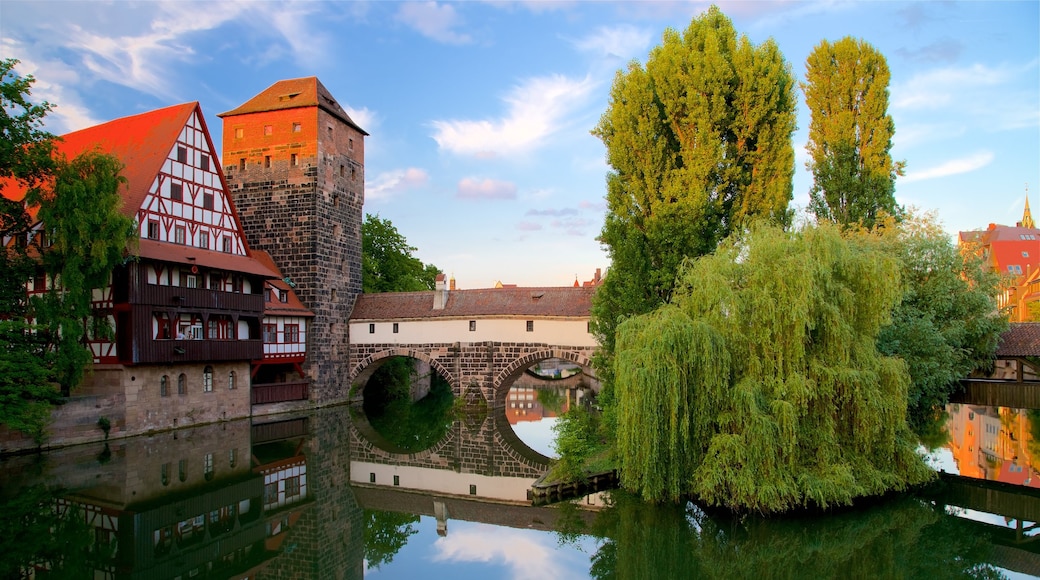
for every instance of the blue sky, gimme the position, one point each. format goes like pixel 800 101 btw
pixel 479 112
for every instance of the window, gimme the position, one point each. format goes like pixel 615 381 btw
pixel 271 333
pixel 207 379
pixel 283 296
pixel 342 171
pixel 268 129
pixel 231 380
pixel 292 486
pixel 294 160
pixel 164 386
pixel 296 128
pixel 207 200
pixel 182 387
pixel 226 243
pixel 239 132
pixel 182 469
pixel 1025 254
pixel 232 456
pixel 267 294
pixel 191 281
pixel 292 333
pixel 395 328
pixel 397 480
pixel 204 162
pixel 242 164
pixel 472 325
pixel 350 142
pixel 182 154
pixel 1015 269
pixel 165 474
pixel 530 326
pixel 473 490
pixel 177 191
pixel 216 281
pixel 267 161
pixel 271 493
pixel 178 234
pixel 371 328
pixel 153 230
pixel 207 466
pixel 371 478
pixel 204 240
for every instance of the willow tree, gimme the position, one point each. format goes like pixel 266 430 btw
pixel 761 387
pixel 850 134
pixel 698 140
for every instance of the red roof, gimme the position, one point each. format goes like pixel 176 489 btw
pixel 294 94
pixel 181 254
pixel 141 142
pixel 1020 339
pixel 562 301
pixel 291 307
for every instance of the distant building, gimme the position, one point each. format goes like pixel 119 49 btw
pixel 1013 252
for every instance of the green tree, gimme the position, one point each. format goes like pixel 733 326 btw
pixel 25 161
pixel 88 237
pixel 850 134
pixel 387 262
pixel 385 534
pixel 946 324
pixel 761 386
pixel 698 141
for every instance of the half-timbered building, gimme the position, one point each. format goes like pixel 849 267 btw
pixel 188 311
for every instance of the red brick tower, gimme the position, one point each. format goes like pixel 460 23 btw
pixel 295 166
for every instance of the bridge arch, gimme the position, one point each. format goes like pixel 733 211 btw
pixel 514 369
pixel 370 364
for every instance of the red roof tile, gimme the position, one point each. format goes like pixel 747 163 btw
pixel 293 94
pixel 180 254
pixel 1021 339
pixel 536 302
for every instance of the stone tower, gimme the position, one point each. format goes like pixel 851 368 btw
pixel 295 167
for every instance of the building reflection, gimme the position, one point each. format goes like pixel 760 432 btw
pixel 995 443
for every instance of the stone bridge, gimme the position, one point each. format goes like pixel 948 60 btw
pixel 480 341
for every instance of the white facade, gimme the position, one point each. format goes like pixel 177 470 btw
pixel 564 331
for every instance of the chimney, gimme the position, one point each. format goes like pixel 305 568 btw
pixel 440 293
pixel 598 277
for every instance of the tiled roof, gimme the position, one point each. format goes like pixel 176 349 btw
pixel 181 254
pixel 293 94
pixel 141 142
pixel 535 302
pixel 1022 339
pixel 293 306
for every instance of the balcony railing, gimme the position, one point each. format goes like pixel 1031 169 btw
pixel 167 351
pixel 197 298
pixel 279 392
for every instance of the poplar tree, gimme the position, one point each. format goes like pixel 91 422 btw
pixel 850 134
pixel 698 140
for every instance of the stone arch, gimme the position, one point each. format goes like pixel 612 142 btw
pixel 371 442
pixel 518 366
pixel 368 365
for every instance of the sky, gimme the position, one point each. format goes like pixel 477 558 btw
pixel 479 113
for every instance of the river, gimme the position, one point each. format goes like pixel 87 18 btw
pixel 333 494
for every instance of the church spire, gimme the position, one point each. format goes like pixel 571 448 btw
pixel 1027 218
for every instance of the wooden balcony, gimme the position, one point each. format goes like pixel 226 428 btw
pixel 175 351
pixel 280 392
pixel 177 297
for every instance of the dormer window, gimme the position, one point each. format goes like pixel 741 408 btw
pixel 283 296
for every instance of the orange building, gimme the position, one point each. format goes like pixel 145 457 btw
pixel 1014 252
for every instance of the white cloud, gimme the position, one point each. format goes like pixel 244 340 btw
pixel 365 118
pixel 432 20
pixel 521 553
pixel 527 226
pixel 69 114
pixel 938 87
pixel 952 167
pixel 387 184
pixel 473 188
pixel 537 108
pixel 623 42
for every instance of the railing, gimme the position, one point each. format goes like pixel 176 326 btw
pixel 279 392
pixel 196 298
pixel 266 432
pixel 166 351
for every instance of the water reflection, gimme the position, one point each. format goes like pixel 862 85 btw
pixel 994 443
pixel 310 496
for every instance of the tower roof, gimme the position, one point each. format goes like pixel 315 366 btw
pixel 1027 218
pixel 293 94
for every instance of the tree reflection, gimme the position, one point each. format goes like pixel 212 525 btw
pixel 409 426
pixel 35 534
pixel 385 534
pixel 901 538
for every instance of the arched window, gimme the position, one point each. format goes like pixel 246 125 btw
pixel 164 386
pixel 207 379
pixel 182 384
pixel 231 380
pixel 182 469
pixel 166 474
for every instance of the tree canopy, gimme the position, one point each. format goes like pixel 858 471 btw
pixel 761 386
pixel 698 141
pixel 387 262
pixel 850 134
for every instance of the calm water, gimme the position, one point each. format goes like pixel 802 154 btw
pixel 329 495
